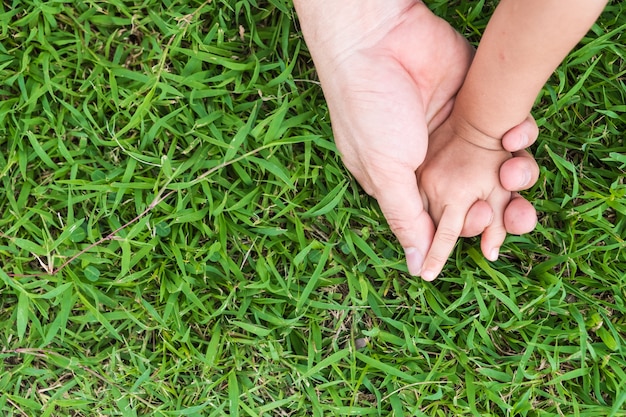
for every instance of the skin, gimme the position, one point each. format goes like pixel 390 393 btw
pixel 522 45
pixel 390 72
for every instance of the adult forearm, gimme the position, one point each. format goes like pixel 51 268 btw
pixel 523 43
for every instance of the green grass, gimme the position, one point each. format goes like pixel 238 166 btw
pixel 250 275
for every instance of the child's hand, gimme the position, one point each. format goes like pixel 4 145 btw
pixel 455 175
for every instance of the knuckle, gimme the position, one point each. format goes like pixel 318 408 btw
pixel 438 259
pixel 447 236
pixel 398 227
pixel 443 246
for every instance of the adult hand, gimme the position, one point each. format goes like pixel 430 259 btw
pixel 390 71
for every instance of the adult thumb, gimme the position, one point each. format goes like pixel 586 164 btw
pixel 401 203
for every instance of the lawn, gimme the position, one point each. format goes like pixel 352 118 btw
pixel 178 236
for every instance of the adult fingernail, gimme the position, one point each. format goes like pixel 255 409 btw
pixel 493 255
pixel 414 260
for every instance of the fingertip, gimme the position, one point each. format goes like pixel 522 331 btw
pixel 491 251
pixel 494 254
pixel 479 216
pixel 429 275
pixel 521 136
pixel 520 217
pixel 446 236
pixel 414 261
pixel 401 204
pixel 492 239
pixel 519 172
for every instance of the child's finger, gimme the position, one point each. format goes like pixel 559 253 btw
pixel 520 217
pixel 447 233
pixel 520 172
pixel 494 235
pixel 479 216
pixel 521 136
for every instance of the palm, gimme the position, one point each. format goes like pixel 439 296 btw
pixel 382 129
pixel 388 97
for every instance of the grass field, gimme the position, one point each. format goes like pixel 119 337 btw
pixel 178 236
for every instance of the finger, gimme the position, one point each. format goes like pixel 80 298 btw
pixel 446 236
pixel 520 216
pixel 402 206
pixel 520 172
pixel 521 136
pixel 494 235
pixel 479 216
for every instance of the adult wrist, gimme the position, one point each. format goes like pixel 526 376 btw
pixel 334 28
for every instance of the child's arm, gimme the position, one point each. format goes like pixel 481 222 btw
pixel 523 43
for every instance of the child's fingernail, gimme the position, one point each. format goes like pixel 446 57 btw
pixel 414 260
pixel 493 255
pixel 522 141
pixel 429 275
pixel 525 179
